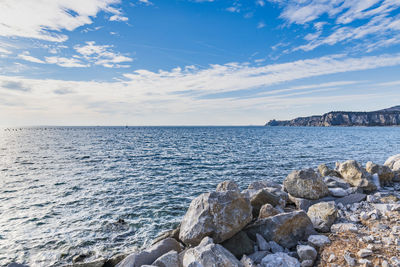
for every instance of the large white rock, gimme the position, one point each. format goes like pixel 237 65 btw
pixel 149 255
pixel 209 254
pixel 219 215
pixel 393 163
pixel 305 184
pixel 323 215
pixel 279 259
pixel 356 175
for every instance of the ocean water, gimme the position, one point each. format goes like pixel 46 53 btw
pixel 62 189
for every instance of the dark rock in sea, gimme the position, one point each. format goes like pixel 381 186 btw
pixel 384 117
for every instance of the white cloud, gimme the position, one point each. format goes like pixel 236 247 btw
pixel 260 2
pixel 147 2
pixel 66 62
pixel 102 55
pixel 25 56
pixel 45 19
pixel 261 25
pixel 374 21
pixel 118 18
pixel 180 95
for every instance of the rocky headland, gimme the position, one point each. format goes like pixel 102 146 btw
pixel 384 117
pixel 346 216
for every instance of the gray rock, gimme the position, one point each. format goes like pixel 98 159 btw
pixel 239 244
pixel 307 263
pixel 318 241
pixel 343 227
pixel 325 171
pixel 149 255
pixel 266 211
pixel 174 233
pixel 322 215
pixel 304 204
pixel 362 253
pixel 169 259
pixel 351 199
pixel 14 264
pixel 262 244
pixel 262 197
pixel 357 176
pixel 279 259
pixel 335 182
pixel 209 254
pixel 393 163
pixel 275 247
pixel 257 256
pixel 286 228
pixel 338 192
pixel 257 185
pixel 305 184
pixel 306 252
pixel 219 215
pixel 227 186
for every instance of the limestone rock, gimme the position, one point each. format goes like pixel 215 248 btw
pixel 344 227
pixel 239 244
pixel 325 171
pixel 257 256
pixel 351 199
pixel 266 211
pixel 262 197
pixel 323 215
pixel 209 254
pixel 286 228
pixel 247 262
pixel 169 259
pixel 149 255
pixel 385 174
pixel 219 215
pixel 362 253
pixel 356 175
pixel 262 244
pixel 318 241
pixel 227 186
pixel 306 252
pixel 305 184
pixel 393 163
pixel 279 259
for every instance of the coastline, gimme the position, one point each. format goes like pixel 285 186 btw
pixel 324 217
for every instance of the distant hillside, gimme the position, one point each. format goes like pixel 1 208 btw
pixel 384 117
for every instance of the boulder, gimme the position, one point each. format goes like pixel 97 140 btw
pixel 275 247
pixel 304 204
pixel 323 215
pixel 149 255
pixel 257 256
pixel 279 259
pixel 174 233
pixel 266 211
pixel 305 184
pixel 286 228
pixel 356 175
pixel 257 185
pixel 385 174
pixel 239 244
pixel 393 163
pixel 338 192
pixel 262 197
pixel 325 171
pixel 209 254
pixel 227 186
pixel 169 259
pixel 262 244
pixel 219 215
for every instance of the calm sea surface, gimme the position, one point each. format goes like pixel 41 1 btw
pixel 62 189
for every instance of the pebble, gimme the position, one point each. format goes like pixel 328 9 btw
pixel 350 260
pixel 364 253
pixel 332 258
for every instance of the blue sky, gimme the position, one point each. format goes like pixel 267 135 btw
pixel 188 62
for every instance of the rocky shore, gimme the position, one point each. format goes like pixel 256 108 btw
pixel 346 216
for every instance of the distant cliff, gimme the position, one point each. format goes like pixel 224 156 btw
pixel 384 117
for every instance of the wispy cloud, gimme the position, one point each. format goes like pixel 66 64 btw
pixel 27 57
pixel 47 18
pixel 66 62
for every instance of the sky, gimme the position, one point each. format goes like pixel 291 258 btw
pixel 194 62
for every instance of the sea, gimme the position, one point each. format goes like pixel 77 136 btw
pixel 64 189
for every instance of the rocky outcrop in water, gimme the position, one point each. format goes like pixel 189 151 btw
pixel 384 117
pixel 359 225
